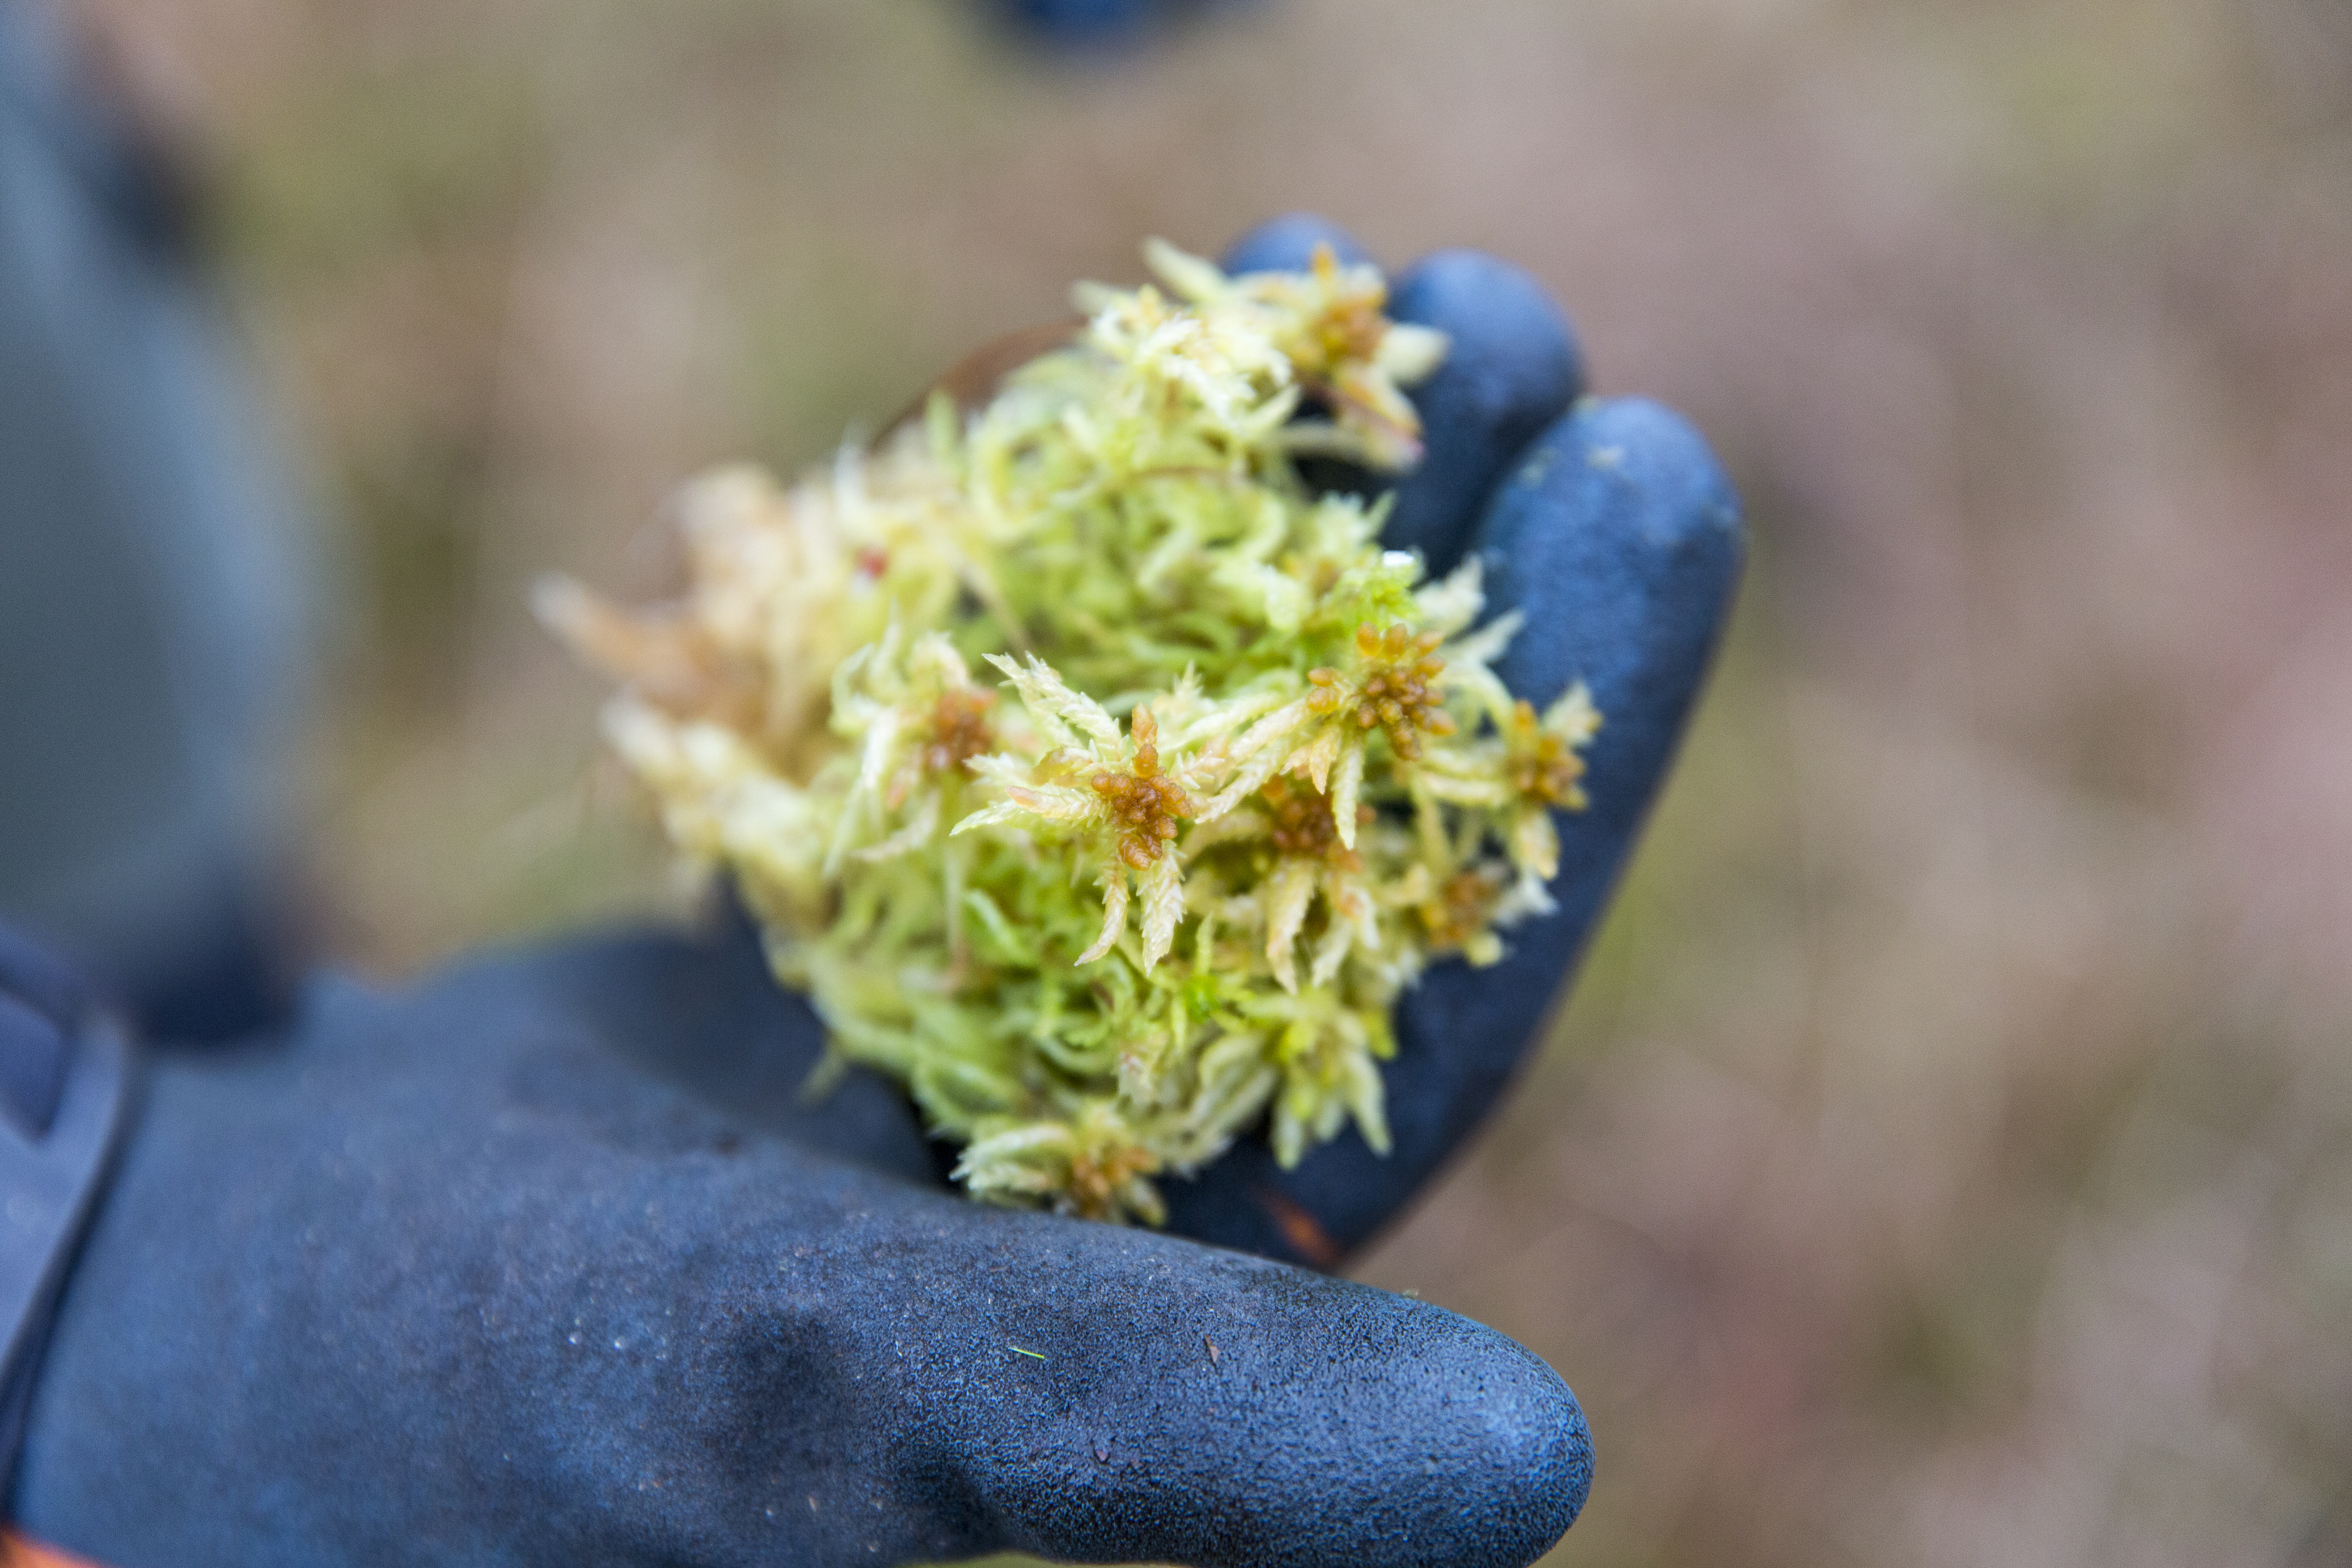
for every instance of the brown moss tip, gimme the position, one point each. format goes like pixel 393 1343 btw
pixel 1543 766
pixel 1303 825
pixel 1460 908
pixel 1397 693
pixel 1145 806
pixel 959 730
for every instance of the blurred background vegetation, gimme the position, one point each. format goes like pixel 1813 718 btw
pixel 1947 1158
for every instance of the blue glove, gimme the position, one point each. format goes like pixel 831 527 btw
pixel 546 1262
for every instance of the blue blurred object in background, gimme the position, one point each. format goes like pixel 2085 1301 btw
pixel 150 630
pixel 1084 23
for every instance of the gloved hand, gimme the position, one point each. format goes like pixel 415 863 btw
pixel 547 1261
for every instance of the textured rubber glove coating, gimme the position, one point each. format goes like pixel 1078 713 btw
pixel 452 1277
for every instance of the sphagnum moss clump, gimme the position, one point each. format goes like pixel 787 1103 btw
pixel 1094 778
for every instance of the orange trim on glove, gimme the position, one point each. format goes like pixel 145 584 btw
pixel 15 1551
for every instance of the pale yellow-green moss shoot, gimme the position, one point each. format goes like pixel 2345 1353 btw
pixel 1095 779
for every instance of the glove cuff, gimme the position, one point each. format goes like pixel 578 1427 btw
pixel 66 1082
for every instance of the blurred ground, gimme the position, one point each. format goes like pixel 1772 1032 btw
pixel 1948 1156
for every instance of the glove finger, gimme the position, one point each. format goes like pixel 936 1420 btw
pixel 1512 366
pixel 1286 244
pixel 1619 538
pixel 1099 1395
